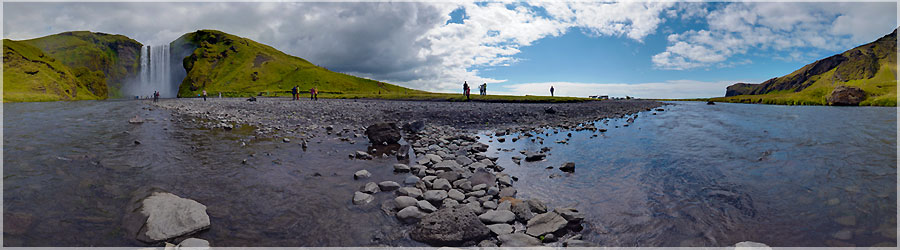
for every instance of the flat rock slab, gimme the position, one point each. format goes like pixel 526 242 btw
pixel 170 216
pixel 452 226
pixel 518 240
pixel 497 216
pixel 545 223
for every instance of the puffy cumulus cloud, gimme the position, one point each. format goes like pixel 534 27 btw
pixel 411 44
pixel 667 89
pixel 782 28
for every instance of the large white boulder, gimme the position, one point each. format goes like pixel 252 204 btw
pixel 170 216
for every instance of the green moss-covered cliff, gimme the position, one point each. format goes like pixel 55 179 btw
pixel 103 62
pixel 30 75
pixel 870 67
pixel 219 62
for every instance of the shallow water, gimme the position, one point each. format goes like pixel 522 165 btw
pixel 69 169
pixel 714 175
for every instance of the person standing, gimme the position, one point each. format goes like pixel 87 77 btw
pixel 204 95
pixel 294 93
pixel 312 91
pixel 466 89
pixel 551 90
pixel 155 96
pixel 484 88
pixel 316 93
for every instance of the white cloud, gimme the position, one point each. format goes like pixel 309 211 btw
pixel 667 89
pixel 782 28
pixel 411 44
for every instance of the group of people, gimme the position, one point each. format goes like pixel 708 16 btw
pixel 482 89
pixel 313 93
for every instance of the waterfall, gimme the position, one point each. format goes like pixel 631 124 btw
pixel 155 73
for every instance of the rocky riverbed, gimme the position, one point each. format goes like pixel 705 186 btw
pixel 454 194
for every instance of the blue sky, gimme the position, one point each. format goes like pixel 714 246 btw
pixel 643 49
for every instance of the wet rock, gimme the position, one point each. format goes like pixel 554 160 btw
pixel 435 195
pixel 426 206
pixel 534 156
pixel 456 195
pixel 404 201
pixel 433 158
pixel 577 243
pixel 361 174
pixel 193 244
pixel 410 191
pixel 360 198
pixel 381 133
pixel 501 229
pixel 493 191
pixel 363 155
pixel 410 180
pixel 571 215
pixel 750 245
pixel 504 180
pixel 451 226
pixel 410 214
pixel 522 211
pixel 286 140
pixel 487 243
pixel 476 207
pixel 550 110
pixel 846 221
pixel 568 167
pixel 401 168
pixel 370 188
pixel 388 185
pixel 549 238
pixel 449 176
pixel 490 205
pixel 479 187
pixel 478 193
pixel 536 206
pixel 497 216
pixel 507 192
pixel 482 176
pixel 545 223
pixel 442 184
pixel 462 160
pixel 844 234
pixel 136 120
pixel 414 127
pixel 446 165
pixel 504 205
pixel 518 240
pixel 169 216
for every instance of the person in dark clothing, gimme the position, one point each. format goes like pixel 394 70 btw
pixel 466 89
pixel 316 93
pixel 294 93
pixel 204 95
pixel 551 90
pixel 155 96
pixel 312 92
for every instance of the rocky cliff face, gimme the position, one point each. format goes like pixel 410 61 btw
pixel 104 62
pixel 858 63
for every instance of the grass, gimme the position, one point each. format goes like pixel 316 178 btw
pixel 30 75
pixel 881 90
pixel 101 61
pixel 226 63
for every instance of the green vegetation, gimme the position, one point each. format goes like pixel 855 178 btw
pixel 238 66
pixel 102 62
pixel 871 67
pixel 30 75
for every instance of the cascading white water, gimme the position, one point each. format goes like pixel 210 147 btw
pixel 155 73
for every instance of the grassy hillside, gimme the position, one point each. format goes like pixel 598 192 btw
pixel 103 62
pixel 871 67
pixel 31 75
pixel 238 66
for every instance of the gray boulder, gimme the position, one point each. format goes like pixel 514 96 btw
pixel 380 133
pixel 401 168
pixel 361 174
pixel 482 176
pixel 501 229
pixel 518 240
pixel 533 156
pixel 410 191
pixel 497 216
pixel 193 244
pixel 570 214
pixel 451 226
pixel 425 206
pixel 404 201
pixel 435 195
pixel 411 180
pixel 360 198
pixel 456 195
pixel 388 185
pixel 410 214
pixel 507 192
pixel 568 167
pixel 545 223
pixel 370 188
pixel 442 184
pixel 846 96
pixel 166 216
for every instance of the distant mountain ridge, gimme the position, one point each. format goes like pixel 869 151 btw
pixel 870 67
